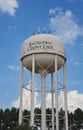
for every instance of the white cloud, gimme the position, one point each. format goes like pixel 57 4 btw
pixel 8 6
pixel 68 13
pixel 13 67
pixel 75 100
pixel 75 62
pixel 13 27
pixel 76 82
pixel 81 44
pixel 26 99
pixel 63 24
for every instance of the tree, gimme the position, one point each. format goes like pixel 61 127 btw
pixel 49 116
pixel 71 120
pixel 1 118
pixel 78 118
pixel 37 118
pixel 14 117
pixel 23 127
pixel 61 118
pixel 9 119
pixel 27 114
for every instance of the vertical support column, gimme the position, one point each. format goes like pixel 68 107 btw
pixel 56 92
pixel 52 100
pixel 43 102
pixel 65 97
pixel 21 94
pixel 32 91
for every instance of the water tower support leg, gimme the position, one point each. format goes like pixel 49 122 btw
pixel 43 102
pixel 21 94
pixel 52 98
pixel 65 97
pixel 32 91
pixel 56 93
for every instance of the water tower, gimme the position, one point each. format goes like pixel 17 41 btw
pixel 43 54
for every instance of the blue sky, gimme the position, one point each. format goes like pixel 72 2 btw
pixel 18 20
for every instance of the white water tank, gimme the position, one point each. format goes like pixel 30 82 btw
pixel 44 47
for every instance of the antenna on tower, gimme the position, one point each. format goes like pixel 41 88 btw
pixel 38 29
pixel 44 31
pixel 33 33
pixel 49 31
